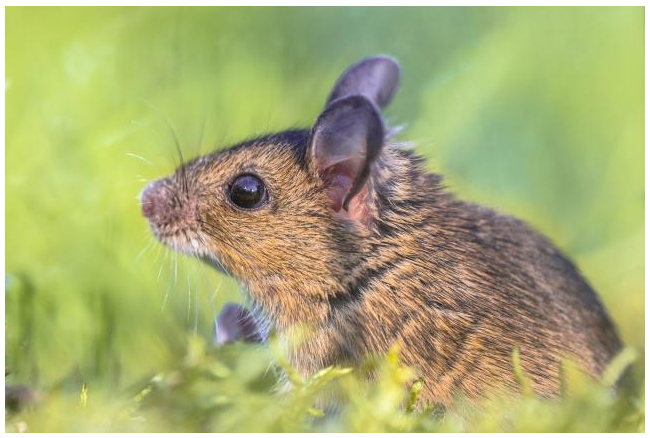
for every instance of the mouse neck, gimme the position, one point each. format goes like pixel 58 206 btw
pixel 407 203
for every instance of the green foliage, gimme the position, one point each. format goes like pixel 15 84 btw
pixel 538 112
pixel 233 388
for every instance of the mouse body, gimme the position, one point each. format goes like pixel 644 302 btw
pixel 341 230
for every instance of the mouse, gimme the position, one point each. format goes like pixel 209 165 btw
pixel 339 228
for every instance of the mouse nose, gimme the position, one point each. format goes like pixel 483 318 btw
pixel 164 206
pixel 151 199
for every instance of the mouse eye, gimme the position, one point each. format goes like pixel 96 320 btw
pixel 247 191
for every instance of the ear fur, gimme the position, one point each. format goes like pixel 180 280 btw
pixel 375 77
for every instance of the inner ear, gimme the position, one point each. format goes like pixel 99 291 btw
pixel 345 142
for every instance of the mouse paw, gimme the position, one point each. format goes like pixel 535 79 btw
pixel 235 323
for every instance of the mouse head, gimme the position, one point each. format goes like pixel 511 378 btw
pixel 287 214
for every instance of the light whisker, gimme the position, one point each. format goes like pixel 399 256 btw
pixel 162 264
pixel 130 154
pixel 189 291
pixel 143 251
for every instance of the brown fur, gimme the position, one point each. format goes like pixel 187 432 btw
pixel 455 285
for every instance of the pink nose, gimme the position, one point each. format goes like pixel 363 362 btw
pixel 151 199
pixel 148 209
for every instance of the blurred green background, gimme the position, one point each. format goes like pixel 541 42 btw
pixel 537 112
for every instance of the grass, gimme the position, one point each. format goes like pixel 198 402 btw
pixel 233 389
pixel 537 112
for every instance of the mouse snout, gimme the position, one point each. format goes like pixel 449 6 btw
pixel 168 208
pixel 156 199
pixel 149 198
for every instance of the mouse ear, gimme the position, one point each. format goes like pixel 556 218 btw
pixel 345 141
pixel 376 78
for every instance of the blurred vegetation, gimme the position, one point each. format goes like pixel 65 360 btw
pixel 538 112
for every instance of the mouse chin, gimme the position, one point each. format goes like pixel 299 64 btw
pixel 192 244
pixel 186 242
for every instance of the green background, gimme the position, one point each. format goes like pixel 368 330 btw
pixel 537 112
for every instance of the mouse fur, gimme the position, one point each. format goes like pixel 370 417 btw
pixel 361 244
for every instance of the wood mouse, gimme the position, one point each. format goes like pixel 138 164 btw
pixel 340 229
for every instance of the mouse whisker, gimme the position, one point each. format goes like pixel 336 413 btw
pixel 202 132
pixel 177 144
pixel 140 157
pixel 169 286
pixel 169 283
pixel 162 263
pixel 189 291
pixel 214 292
pixel 175 265
pixel 141 253
pixel 196 297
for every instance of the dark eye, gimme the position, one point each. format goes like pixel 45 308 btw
pixel 247 191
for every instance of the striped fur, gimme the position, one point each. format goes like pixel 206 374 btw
pixel 455 285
